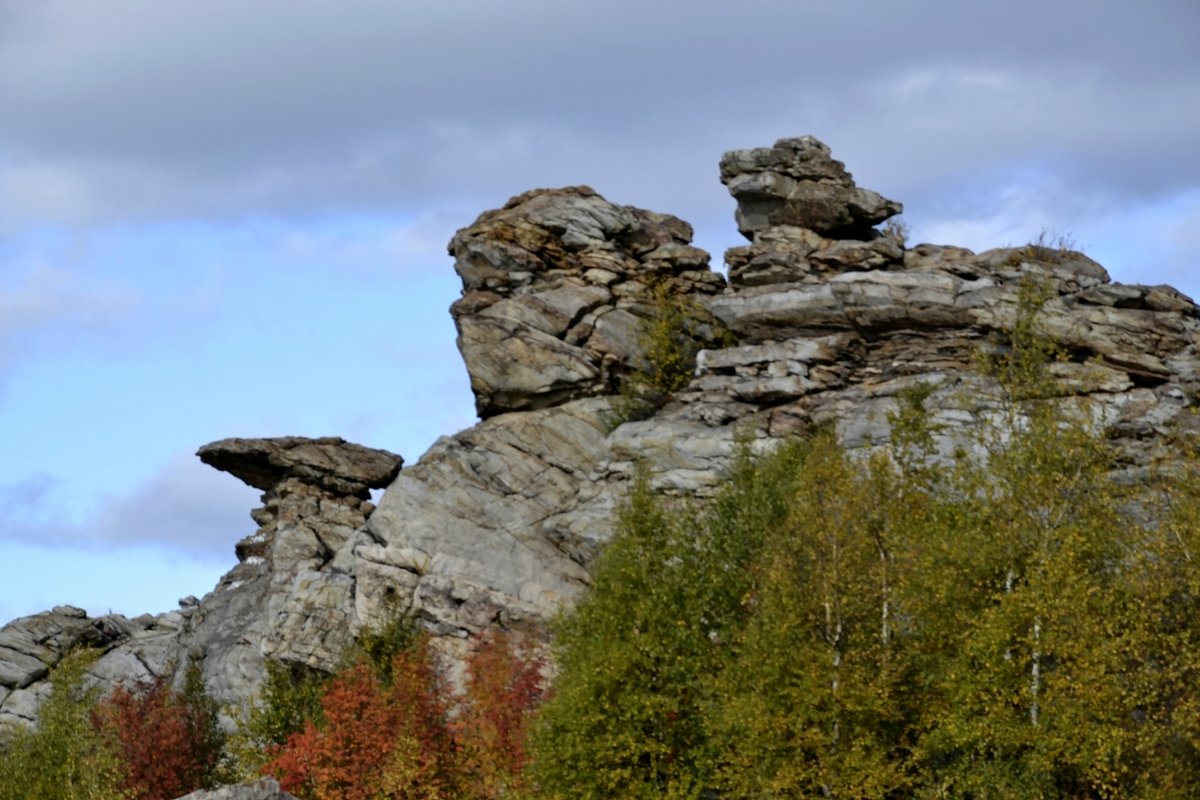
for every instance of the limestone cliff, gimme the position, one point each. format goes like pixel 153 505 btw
pixel 496 525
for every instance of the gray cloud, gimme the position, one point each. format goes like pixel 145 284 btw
pixel 138 108
pixel 187 508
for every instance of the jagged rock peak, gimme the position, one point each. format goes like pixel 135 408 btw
pixel 797 183
pixel 330 463
pixel 554 284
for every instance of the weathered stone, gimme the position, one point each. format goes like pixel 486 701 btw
pixel 467 521
pixel 796 182
pixel 290 598
pixel 542 278
pixel 331 463
pixel 31 646
pixel 265 789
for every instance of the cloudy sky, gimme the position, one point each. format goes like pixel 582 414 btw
pixel 229 218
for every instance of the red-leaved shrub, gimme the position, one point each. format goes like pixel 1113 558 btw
pixel 166 740
pixel 412 738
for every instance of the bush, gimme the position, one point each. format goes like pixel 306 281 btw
pixel 403 733
pixel 170 743
pixel 674 332
pixel 65 757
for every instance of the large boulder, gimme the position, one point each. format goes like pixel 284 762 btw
pixel 329 463
pixel 555 284
pixel 797 183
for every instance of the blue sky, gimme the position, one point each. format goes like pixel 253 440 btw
pixel 230 218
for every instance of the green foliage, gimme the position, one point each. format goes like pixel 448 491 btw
pixel 674 332
pixel 208 738
pixel 813 705
pixel 1017 624
pixel 379 646
pixel 65 757
pixel 628 714
pixel 289 697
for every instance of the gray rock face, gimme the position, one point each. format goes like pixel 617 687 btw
pixel 797 183
pixel 497 525
pixel 265 789
pixel 31 646
pixel 554 286
pixel 289 597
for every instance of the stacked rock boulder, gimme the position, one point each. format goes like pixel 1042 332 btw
pixel 291 596
pixel 497 525
pixel 555 285
pixel 831 328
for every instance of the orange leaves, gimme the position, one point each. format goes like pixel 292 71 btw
pixel 504 687
pixel 163 738
pixel 408 740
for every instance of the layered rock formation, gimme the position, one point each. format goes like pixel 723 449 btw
pixel 554 287
pixel 286 598
pixel 497 525
pixel 289 597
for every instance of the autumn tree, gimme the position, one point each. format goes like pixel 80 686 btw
pixel 503 689
pixel 169 742
pixel 403 733
pixel 375 739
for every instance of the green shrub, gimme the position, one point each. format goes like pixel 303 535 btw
pixel 65 757
pixel 676 329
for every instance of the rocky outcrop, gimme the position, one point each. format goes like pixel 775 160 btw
pixel 31 646
pixel 497 525
pixel 833 318
pixel 797 184
pixel 554 286
pixel 288 597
